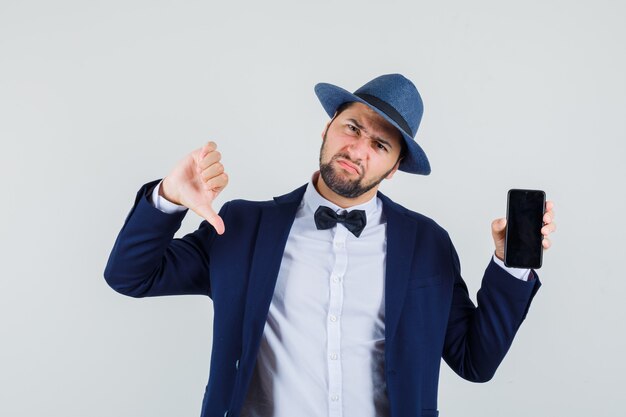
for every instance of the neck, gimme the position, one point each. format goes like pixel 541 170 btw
pixel 339 200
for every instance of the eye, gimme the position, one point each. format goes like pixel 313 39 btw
pixel 352 128
pixel 381 147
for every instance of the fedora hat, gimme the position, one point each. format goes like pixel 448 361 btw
pixel 397 100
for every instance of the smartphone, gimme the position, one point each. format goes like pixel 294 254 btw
pixel 524 216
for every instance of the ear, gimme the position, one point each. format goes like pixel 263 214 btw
pixel 393 171
pixel 326 127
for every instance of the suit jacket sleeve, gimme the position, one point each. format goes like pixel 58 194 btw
pixel 147 261
pixel 478 337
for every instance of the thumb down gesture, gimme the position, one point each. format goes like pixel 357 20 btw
pixel 196 181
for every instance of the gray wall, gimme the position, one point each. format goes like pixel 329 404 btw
pixel 97 98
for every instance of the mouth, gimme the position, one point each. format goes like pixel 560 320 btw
pixel 348 166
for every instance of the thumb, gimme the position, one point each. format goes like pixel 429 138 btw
pixel 212 217
pixel 498 225
pixel 498 234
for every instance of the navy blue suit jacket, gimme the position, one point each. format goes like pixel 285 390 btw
pixel 428 311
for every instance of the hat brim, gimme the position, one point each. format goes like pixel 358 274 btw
pixel 331 97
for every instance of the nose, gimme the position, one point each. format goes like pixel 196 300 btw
pixel 359 147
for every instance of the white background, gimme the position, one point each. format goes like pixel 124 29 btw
pixel 97 98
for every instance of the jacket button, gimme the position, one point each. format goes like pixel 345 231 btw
pixel 237 364
pixel 226 413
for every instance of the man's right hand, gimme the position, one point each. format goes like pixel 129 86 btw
pixel 196 181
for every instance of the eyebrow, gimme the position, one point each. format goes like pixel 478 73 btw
pixel 378 138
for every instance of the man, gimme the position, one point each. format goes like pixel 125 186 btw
pixel 331 300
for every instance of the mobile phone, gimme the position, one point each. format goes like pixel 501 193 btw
pixel 524 216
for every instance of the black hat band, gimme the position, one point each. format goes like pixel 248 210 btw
pixel 387 109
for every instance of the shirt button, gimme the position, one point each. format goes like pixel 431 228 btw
pixel 334 356
pixel 337 278
pixel 335 398
pixel 333 318
pixel 339 245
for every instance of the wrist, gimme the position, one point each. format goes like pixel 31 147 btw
pixel 163 192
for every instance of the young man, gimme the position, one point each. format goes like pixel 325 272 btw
pixel 331 300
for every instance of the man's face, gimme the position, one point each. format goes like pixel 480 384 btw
pixel 359 150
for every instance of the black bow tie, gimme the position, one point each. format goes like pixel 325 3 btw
pixel 355 220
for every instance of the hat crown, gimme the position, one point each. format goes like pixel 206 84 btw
pixel 400 94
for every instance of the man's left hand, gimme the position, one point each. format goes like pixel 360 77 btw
pixel 498 230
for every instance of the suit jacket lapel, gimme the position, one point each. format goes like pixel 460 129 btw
pixel 401 235
pixel 274 226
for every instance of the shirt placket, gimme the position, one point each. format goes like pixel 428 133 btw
pixel 333 322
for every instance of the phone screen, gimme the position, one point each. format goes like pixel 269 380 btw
pixel 525 209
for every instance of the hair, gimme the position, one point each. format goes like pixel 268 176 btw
pixel 343 106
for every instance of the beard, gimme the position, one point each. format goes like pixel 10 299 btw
pixel 340 184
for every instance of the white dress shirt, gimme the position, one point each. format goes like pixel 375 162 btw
pixel 322 350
